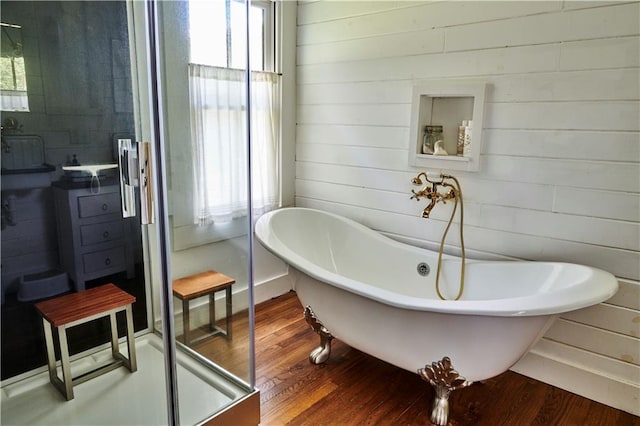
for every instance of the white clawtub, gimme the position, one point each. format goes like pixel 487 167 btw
pixel 366 290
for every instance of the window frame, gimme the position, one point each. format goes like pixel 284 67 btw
pixel 268 33
pixel 185 233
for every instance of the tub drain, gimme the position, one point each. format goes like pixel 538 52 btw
pixel 423 269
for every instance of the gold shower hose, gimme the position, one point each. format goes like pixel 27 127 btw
pixel 458 197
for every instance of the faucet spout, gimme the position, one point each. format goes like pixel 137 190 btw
pixel 427 210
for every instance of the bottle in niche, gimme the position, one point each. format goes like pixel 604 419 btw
pixel 467 137
pixel 461 137
pixel 432 134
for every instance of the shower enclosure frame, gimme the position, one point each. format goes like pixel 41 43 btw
pixel 146 62
pixel 210 392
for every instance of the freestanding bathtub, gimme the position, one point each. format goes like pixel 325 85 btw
pixel 367 290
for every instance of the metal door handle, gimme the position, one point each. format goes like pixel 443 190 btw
pixel 128 163
pixel 145 177
pixel 135 170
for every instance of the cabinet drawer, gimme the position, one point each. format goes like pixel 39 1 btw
pixel 97 205
pixel 101 232
pixel 104 259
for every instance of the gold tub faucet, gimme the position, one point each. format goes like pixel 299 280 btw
pixel 450 190
pixel 430 191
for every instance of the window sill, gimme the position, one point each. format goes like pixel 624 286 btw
pixel 189 236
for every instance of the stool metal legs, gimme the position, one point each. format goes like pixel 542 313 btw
pixel 132 362
pixel 227 312
pixel 214 329
pixel 65 386
pixel 212 312
pixel 115 346
pixel 186 324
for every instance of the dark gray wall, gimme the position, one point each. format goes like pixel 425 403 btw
pixel 79 86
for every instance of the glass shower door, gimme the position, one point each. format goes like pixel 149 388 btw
pixel 200 272
pixel 84 98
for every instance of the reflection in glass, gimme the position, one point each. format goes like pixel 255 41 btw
pixel 13 76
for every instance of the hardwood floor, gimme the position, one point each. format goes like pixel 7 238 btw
pixel 353 388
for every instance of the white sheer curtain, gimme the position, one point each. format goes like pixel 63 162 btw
pixel 14 100
pixel 218 134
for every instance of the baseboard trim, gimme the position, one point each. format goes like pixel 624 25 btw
pixel 583 380
pixel 273 287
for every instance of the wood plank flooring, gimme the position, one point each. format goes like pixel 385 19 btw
pixel 353 388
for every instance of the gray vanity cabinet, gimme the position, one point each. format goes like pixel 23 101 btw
pixel 93 238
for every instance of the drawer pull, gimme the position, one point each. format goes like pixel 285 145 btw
pixel 107 261
pixel 105 234
pixel 105 207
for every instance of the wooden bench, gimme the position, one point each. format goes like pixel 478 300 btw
pixel 202 284
pixel 78 308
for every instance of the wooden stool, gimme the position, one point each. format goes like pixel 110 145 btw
pixel 78 308
pixel 193 286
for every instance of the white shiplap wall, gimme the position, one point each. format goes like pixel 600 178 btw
pixel 560 165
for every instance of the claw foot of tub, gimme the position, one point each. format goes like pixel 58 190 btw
pixel 444 380
pixel 320 354
pixel 440 407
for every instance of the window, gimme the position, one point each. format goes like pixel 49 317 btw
pixel 218 34
pixel 13 78
pixel 218 110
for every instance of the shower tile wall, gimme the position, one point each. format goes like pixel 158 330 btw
pixel 77 63
pixel 560 166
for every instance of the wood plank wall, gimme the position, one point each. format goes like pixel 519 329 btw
pixel 560 165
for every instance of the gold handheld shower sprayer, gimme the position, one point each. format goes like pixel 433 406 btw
pixel 431 192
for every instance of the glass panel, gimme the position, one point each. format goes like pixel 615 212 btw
pixel 212 297
pixel 62 230
pixel 45 238
pixel 90 94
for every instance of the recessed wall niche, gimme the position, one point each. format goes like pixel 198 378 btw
pixel 447 103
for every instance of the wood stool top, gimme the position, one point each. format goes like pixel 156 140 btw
pixel 200 284
pixel 75 306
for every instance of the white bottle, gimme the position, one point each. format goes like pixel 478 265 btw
pixel 460 144
pixel 467 136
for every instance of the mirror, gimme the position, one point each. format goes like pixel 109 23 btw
pixel 13 77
